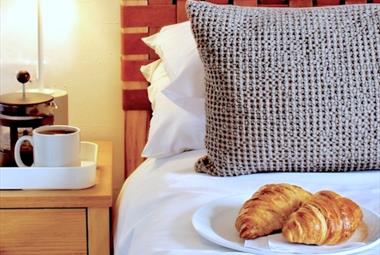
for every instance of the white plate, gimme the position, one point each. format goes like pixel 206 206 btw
pixel 215 221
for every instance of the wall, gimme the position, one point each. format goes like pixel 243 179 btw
pixel 87 66
pixel 82 52
pixel 18 41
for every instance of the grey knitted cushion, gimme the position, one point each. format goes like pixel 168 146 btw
pixel 289 89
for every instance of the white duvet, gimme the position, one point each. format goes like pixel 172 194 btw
pixel 155 207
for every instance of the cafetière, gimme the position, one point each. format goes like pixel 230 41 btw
pixel 20 113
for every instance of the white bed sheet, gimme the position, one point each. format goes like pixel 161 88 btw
pixel 154 209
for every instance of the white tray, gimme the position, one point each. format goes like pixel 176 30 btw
pixel 80 177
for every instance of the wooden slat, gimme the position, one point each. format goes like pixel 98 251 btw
pixel 153 30
pixel 181 8
pixel 130 70
pixel 133 2
pixel 153 15
pixel 132 44
pixel 273 5
pixel 134 30
pixel 356 1
pixel 136 57
pixel 160 2
pixel 136 133
pixel 152 53
pixel 376 1
pixel 327 2
pixel 136 99
pixel 218 1
pixel 135 85
pixel 246 2
pixel 181 11
pixel 300 3
pixel 273 2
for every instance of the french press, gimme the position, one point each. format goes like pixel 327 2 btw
pixel 20 113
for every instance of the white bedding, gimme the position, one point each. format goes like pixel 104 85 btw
pixel 155 207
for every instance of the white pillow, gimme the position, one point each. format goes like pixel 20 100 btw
pixel 172 129
pixel 176 47
pixel 155 71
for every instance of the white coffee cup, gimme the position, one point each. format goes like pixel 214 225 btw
pixel 53 146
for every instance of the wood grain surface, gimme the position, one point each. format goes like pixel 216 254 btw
pixel 60 231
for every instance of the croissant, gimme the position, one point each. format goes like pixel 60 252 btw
pixel 268 209
pixel 327 218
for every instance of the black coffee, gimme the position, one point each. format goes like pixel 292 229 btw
pixel 57 132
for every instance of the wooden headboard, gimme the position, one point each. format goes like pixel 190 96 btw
pixel 140 18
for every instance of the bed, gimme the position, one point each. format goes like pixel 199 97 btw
pixel 156 205
pixel 154 210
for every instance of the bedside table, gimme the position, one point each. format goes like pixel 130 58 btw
pixel 60 221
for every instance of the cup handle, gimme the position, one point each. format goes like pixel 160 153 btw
pixel 17 149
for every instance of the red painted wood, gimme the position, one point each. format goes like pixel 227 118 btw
pixel 153 15
pixel 132 44
pixel 218 1
pixel 273 5
pixel 300 3
pixel 181 11
pixel 376 1
pixel 327 2
pixel 130 70
pixel 153 30
pixel 246 2
pixel 152 53
pixel 356 1
pixel 157 2
pixel 136 99
pixel 273 2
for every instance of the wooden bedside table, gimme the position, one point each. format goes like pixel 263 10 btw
pixel 60 221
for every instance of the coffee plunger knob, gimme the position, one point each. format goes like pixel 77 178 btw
pixel 23 77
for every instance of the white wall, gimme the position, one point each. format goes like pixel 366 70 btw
pixel 18 41
pixel 88 67
pixel 82 52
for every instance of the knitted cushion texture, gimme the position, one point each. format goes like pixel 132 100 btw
pixel 289 90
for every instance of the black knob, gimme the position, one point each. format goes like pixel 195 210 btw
pixel 23 76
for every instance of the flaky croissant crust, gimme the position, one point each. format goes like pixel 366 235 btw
pixel 327 218
pixel 268 209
